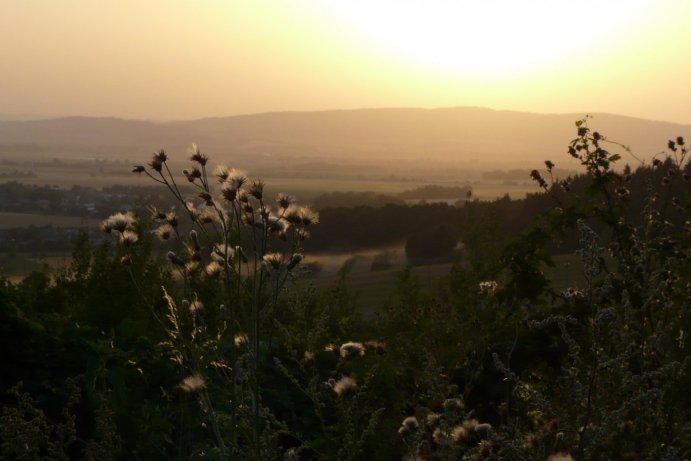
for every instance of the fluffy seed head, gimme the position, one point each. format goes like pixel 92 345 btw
pixel 197 156
pixel 193 383
pixel 411 423
pixel 157 160
pixel 213 269
pixel 119 222
pixel 344 385
pixel 128 237
pixel 351 350
pixel 308 216
pixel 273 260
pixel 164 231
pixel 459 434
pixel 172 218
pixel 432 419
pixel 488 286
pixel 294 261
pixel 284 200
pixel 240 340
pixel 221 172
pixel 257 189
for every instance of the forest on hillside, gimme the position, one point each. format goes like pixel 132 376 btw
pixel 198 334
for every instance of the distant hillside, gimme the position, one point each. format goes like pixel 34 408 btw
pixel 451 134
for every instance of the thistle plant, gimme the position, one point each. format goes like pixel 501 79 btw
pixel 229 271
pixel 626 358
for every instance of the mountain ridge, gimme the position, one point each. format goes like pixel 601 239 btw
pixel 460 132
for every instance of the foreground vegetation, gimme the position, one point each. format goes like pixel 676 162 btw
pixel 215 352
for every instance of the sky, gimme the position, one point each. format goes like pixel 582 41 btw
pixel 181 59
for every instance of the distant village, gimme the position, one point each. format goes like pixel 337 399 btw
pixel 77 201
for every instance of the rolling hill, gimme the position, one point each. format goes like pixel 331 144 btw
pixel 458 134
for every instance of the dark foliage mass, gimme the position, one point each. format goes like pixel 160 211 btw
pixel 212 352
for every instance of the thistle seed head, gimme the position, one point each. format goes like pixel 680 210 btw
pixel 193 383
pixel 164 232
pixel 344 385
pixel 119 222
pixel 273 260
pixel 197 156
pixel 351 350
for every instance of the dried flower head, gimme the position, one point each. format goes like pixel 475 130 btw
pixel 537 177
pixel 221 172
pixel 256 189
pixel 156 214
pixel 573 293
pixel 469 424
pixel 157 160
pixel 128 237
pixel 172 218
pixel 240 340
pixel 229 191
pixel 459 434
pixel 197 156
pixel 236 178
pixel 276 224
pixel 432 419
pixel 488 287
pixel 333 348
pixel 344 385
pixel 351 350
pixel 213 269
pixel 195 306
pixel 119 222
pixel 308 357
pixel 192 174
pixel 284 200
pixel 411 423
pixel 164 231
pixel 308 216
pixel 294 261
pixel 193 383
pixel 273 260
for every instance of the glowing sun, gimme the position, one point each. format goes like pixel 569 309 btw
pixel 484 36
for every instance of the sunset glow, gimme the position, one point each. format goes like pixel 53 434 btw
pixel 176 60
pixel 489 36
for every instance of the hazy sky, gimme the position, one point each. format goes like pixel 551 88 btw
pixel 182 59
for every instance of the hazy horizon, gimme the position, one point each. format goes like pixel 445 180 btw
pixel 166 61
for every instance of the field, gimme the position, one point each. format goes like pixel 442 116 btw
pixel 302 182
pixel 12 220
